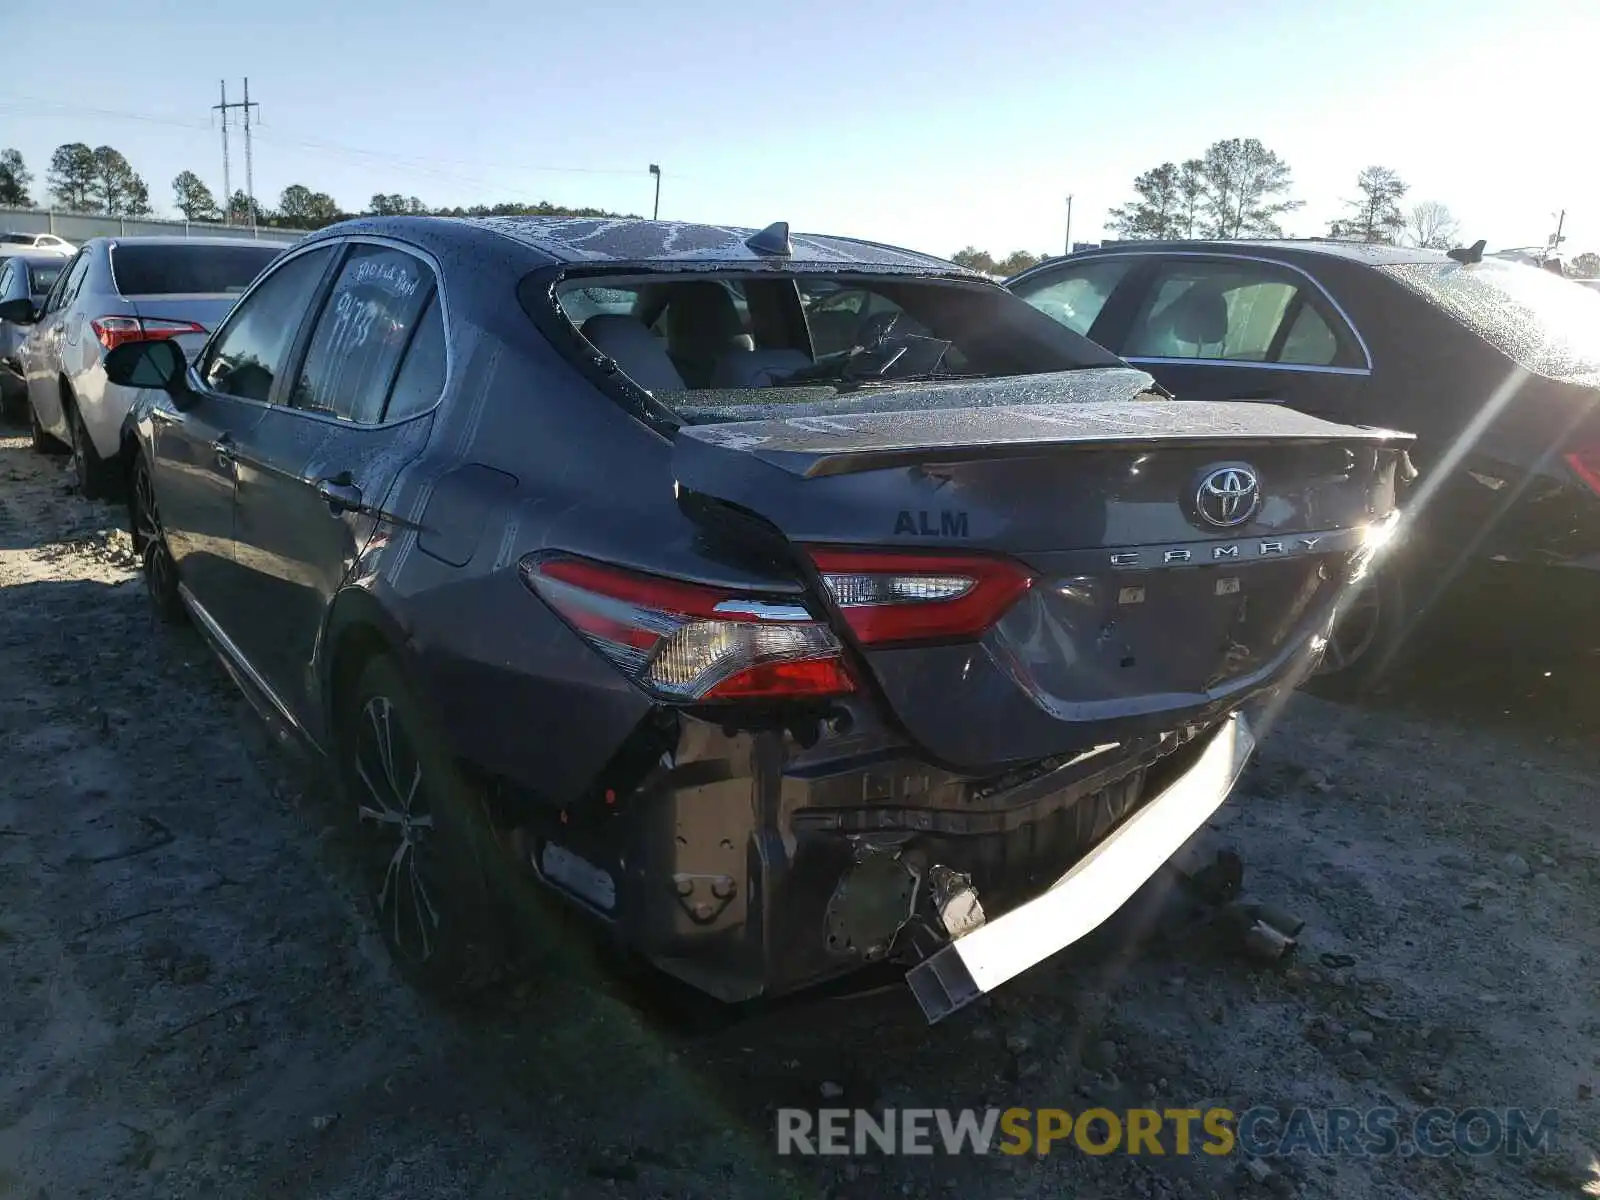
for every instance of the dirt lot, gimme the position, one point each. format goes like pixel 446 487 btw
pixel 193 1002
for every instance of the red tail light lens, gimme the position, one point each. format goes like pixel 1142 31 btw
pixel 889 596
pixel 1585 463
pixel 684 641
pixel 114 331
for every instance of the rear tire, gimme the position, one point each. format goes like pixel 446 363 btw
pixel 42 442
pixel 95 475
pixel 1367 638
pixel 429 855
pixel 160 569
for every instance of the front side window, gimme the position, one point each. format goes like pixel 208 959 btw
pixel 363 330
pixel 1075 295
pixel 250 351
pixel 1229 312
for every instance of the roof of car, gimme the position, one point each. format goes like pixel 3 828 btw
pixel 164 240
pixel 1361 252
pixel 629 240
pixel 38 260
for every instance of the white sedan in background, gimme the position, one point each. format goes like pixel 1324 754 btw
pixel 35 243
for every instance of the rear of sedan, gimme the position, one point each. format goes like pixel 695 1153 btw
pixel 925 641
pixel 784 608
pixel 135 289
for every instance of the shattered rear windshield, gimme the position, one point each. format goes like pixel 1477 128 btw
pixel 721 346
pixel 1542 322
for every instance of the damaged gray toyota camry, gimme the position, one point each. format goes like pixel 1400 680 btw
pixel 782 603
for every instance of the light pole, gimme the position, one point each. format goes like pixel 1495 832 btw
pixel 655 213
pixel 1069 223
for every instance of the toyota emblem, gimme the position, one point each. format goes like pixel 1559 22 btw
pixel 1228 495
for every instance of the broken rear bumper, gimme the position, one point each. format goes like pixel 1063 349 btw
pixel 747 864
pixel 981 960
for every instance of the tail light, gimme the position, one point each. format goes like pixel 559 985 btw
pixel 114 331
pixel 888 596
pixel 685 641
pixel 1585 463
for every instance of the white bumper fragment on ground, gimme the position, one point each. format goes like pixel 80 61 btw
pixel 1091 892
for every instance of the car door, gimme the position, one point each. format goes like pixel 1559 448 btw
pixel 13 286
pixel 231 383
pixel 1220 327
pixel 41 352
pixel 313 474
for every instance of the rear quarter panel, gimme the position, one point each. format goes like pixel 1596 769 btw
pixel 524 455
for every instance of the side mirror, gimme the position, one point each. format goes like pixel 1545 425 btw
pixel 19 311
pixel 157 364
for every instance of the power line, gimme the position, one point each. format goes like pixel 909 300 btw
pixel 299 140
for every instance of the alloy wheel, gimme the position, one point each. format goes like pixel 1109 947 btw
pixel 392 805
pixel 160 571
pixel 1355 631
pixel 80 460
pixel 145 522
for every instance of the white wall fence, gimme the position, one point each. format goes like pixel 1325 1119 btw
pixel 75 227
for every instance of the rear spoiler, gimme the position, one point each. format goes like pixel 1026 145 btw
pixel 842 444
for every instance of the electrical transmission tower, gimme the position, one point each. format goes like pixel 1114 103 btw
pixel 249 167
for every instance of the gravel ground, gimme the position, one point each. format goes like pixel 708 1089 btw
pixel 193 1002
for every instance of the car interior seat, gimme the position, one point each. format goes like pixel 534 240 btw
pixel 1197 318
pixel 638 352
pixel 702 324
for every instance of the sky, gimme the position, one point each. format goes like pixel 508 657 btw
pixel 933 126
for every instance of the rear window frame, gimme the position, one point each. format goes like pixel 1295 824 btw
pixel 537 294
pixel 116 284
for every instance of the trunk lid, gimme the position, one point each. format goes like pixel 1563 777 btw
pixel 1181 556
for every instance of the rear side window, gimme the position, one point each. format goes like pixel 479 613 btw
pixel 66 291
pixel 170 270
pixel 1232 312
pixel 45 274
pixel 364 328
pixel 421 379
pixel 1075 295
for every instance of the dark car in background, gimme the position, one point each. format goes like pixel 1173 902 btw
pixel 23 276
pixel 564 543
pixel 1494 365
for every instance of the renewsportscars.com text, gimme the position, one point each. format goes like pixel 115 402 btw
pixel 1260 1132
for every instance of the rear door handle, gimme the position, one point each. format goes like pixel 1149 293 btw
pixel 341 495
pixel 223 449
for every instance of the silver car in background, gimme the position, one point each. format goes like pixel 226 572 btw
pixel 12 242
pixel 114 291
pixel 22 277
